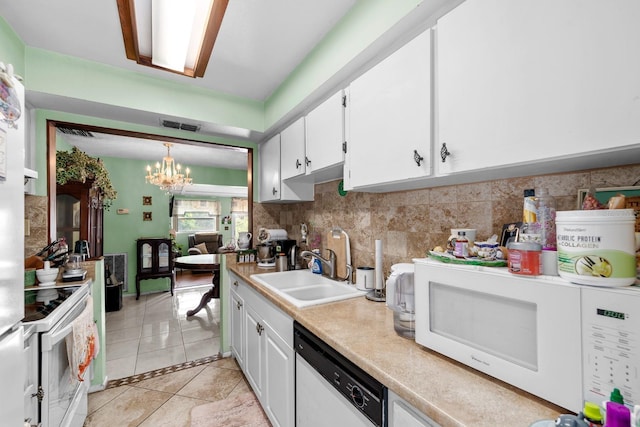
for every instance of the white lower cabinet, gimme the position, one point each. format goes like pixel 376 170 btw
pixel 403 414
pixel 237 326
pixel 262 342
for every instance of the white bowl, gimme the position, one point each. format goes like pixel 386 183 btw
pixel 45 276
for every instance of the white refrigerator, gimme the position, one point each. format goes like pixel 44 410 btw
pixel 12 361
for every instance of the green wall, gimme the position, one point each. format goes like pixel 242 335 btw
pixel 121 231
pixel 71 77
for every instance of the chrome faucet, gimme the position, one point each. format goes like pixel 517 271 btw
pixel 330 263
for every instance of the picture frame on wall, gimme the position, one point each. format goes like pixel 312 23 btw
pixel 604 194
pixel 146 200
pixel 3 155
pixel 147 216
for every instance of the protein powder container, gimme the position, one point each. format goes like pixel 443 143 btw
pixel 597 247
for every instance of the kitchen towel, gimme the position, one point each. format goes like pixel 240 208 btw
pixel 83 342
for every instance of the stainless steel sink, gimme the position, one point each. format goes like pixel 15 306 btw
pixel 303 288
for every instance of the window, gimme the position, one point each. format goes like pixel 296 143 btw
pixel 190 216
pixel 239 216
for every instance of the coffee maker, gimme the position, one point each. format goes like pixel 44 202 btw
pixel 285 246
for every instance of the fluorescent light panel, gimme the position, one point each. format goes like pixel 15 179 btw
pixel 176 35
pixel 177 31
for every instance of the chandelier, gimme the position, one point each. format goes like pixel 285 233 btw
pixel 168 176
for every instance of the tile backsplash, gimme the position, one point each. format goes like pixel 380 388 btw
pixel 409 223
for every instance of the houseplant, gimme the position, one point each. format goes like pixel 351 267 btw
pixel 76 165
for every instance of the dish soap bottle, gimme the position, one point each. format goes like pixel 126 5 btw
pixel 316 265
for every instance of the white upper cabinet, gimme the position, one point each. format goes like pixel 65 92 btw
pixel 272 187
pixel 325 138
pixel 389 119
pixel 292 153
pixel 270 169
pixel 527 81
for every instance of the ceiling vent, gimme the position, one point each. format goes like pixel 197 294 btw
pixel 177 125
pixel 76 132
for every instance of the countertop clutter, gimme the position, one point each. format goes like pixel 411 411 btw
pixel 448 392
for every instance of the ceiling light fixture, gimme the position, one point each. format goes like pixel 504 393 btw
pixel 168 175
pixel 176 36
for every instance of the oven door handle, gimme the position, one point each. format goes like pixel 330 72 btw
pixel 51 339
pixel 64 327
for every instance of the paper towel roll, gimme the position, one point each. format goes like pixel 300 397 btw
pixel 378 258
pixel 277 234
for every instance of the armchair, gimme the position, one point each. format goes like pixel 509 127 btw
pixel 204 243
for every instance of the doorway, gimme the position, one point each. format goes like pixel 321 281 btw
pixel 148 313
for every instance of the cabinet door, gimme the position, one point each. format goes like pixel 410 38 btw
pixel 403 414
pixel 292 150
pixel 254 358
pixel 325 134
pixel 270 169
pixel 164 258
pixel 145 254
pixel 389 128
pixel 237 328
pixel 279 391
pixel 272 188
pixel 521 81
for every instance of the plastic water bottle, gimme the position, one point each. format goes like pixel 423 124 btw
pixel 539 220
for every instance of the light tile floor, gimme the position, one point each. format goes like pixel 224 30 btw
pixel 152 333
pixel 155 332
pixel 166 400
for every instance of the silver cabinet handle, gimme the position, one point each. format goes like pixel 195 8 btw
pixel 275 191
pixel 238 305
pixel 307 161
pixel 235 283
pixel 298 164
pixel 259 328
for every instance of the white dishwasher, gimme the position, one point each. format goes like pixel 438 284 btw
pixel 330 390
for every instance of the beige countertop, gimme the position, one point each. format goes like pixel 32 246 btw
pixel 450 393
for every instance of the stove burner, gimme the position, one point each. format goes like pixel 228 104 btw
pixel 40 311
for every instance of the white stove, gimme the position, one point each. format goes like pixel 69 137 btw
pixel 52 395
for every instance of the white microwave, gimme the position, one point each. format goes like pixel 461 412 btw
pixel 562 342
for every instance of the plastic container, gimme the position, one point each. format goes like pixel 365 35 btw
pixel 400 298
pixel 597 247
pixel 316 265
pixel 539 220
pixel 524 258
